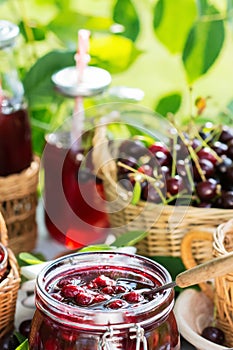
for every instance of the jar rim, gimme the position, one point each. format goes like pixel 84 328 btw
pixel 120 315
pixel 8 33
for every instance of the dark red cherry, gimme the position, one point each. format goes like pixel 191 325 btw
pixel 9 342
pixel 206 190
pixel 220 148
pixel 128 161
pixel 70 291
pixel 25 327
pixel 134 148
pixel 146 169
pixel 207 169
pixel 214 334
pixel 84 299
pixel 229 152
pixel 226 134
pixel 116 304
pixel 133 297
pixel 158 147
pixel 150 194
pixel 104 281
pixel 227 200
pixel 174 185
pixel 205 153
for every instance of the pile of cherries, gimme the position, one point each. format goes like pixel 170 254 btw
pixel 198 169
pixel 98 292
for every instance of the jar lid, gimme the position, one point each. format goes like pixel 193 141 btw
pixel 94 81
pixel 8 33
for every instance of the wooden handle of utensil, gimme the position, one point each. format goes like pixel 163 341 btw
pixel 206 271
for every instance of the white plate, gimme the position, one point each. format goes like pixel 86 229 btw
pixel 194 311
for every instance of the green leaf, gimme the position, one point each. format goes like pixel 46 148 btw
pixel 29 259
pixel 38 86
pixel 202 6
pixel 136 193
pixel 114 53
pixel 93 248
pixel 23 346
pixel 202 48
pixel 169 104
pixel 172 22
pixel 129 238
pixel 38 33
pixel 125 13
pixel 21 338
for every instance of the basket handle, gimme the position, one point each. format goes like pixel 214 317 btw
pixel 3 231
pixel 104 164
pixel 188 257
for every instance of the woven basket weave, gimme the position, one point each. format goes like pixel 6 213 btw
pixel 222 245
pixel 18 202
pixel 166 225
pixel 9 286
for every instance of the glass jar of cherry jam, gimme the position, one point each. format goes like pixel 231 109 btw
pixel 95 301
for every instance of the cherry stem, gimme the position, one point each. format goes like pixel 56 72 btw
pixel 204 143
pixel 146 177
pixel 174 154
pixel 193 156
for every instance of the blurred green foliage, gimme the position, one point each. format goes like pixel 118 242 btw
pixel 173 50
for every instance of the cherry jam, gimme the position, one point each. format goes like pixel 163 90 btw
pixel 97 301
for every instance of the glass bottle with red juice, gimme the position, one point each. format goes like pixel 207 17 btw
pixel 15 131
pixel 75 213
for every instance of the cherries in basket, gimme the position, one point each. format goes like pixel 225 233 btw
pixel 192 169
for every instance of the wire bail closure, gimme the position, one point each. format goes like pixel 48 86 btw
pixel 110 335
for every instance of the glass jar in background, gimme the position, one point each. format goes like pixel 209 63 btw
pixel 15 131
pixel 95 301
pixel 75 212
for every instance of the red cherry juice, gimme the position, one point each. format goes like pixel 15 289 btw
pixel 74 206
pixel 85 299
pixel 15 139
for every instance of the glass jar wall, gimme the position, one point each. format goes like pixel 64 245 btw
pixel 96 301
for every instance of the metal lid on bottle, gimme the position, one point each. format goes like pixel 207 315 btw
pixel 94 81
pixel 8 33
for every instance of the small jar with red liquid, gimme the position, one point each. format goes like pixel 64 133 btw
pixel 95 300
pixel 15 130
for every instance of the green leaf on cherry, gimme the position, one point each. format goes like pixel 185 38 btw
pixel 23 346
pixel 169 22
pixel 125 13
pixel 28 259
pixel 136 193
pixel 169 104
pixel 93 248
pixel 129 238
pixel 203 45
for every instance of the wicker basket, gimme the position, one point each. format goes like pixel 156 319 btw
pixel 222 245
pixel 18 202
pixel 166 224
pixel 213 245
pixel 9 286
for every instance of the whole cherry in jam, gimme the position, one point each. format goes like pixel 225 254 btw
pixel 98 292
